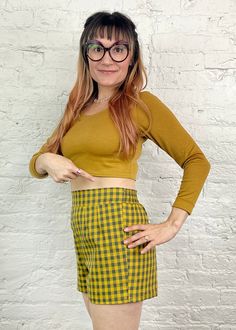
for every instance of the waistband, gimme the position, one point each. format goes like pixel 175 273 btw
pixel 103 195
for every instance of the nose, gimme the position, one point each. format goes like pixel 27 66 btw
pixel 107 58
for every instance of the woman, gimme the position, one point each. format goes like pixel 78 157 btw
pixel 96 146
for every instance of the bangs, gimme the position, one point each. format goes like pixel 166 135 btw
pixel 109 32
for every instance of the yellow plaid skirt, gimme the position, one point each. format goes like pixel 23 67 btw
pixel 107 270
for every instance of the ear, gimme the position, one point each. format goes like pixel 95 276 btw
pixel 131 62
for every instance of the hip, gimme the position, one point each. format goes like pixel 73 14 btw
pixel 102 212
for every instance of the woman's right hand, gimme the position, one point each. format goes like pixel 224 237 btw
pixel 60 168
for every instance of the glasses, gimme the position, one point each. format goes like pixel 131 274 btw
pixel 95 50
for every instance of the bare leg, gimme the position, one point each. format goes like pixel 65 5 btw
pixel 87 302
pixel 116 317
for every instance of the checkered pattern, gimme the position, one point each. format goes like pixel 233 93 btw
pixel 107 270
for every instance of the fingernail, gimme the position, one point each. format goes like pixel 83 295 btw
pixel 126 229
pixel 125 242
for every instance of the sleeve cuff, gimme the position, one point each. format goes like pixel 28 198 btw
pixel 184 205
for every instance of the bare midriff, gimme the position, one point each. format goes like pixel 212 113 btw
pixel 81 183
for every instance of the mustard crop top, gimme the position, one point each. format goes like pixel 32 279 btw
pixel 93 141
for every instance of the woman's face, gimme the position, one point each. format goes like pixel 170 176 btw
pixel 106 72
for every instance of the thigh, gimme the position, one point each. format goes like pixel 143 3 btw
pixel 87 302
pixel 116 317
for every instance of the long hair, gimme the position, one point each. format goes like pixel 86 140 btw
pixel 85 89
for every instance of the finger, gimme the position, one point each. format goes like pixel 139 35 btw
pixel 84 174
pixel 65 180
pixel 148 248
pixel 88 177
pixel 134 237
pixel 138 242
pixel 91 178
pixel 136 227
pixel 77 171
pixel 71 176
pixel 66 177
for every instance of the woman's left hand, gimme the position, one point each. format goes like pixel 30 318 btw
pixel 156 234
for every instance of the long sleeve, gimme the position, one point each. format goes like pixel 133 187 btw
pixel 33 159
pixel 167 132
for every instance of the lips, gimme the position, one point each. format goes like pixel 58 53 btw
pixel 107 71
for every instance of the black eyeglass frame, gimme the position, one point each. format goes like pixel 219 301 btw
pixel 106 49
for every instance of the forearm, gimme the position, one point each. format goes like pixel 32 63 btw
pixel 177 217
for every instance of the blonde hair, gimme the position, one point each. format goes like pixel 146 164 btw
pixel 85 89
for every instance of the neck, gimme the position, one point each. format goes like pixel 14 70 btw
pixel 102 100
pixel 104 93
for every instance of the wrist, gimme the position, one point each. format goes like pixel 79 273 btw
pixel 41 163
pixel 177 217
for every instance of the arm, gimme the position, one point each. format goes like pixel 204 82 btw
pixel 168 133
pixel 37 161
pixel 55 165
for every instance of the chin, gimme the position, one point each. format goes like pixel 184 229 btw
pixel 108 84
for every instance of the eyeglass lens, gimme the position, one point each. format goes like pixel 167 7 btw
pixel 117 52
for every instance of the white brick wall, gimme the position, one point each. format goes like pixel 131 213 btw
pixel 189 51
